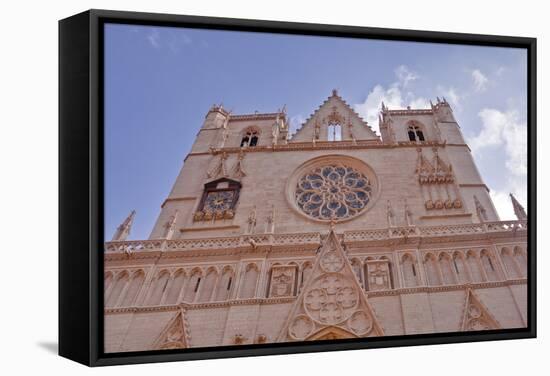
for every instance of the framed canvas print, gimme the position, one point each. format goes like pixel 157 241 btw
pixel 239 187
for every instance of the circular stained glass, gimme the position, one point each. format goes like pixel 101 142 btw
pixel 333 192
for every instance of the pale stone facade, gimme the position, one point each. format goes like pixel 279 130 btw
pixel 333 232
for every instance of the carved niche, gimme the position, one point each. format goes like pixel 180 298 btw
pixel 378 275
pixel 283 281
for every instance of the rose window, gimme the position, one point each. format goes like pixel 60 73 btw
pixel 333 192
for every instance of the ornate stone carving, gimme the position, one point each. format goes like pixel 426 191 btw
pixel 282 281
pixel 378 275
pixel 333 191
pixel 332 262
pixel 331 299
pixel 476 316
pixel 360 323
pixel 301 327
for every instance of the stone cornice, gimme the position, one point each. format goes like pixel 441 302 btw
pixel 291 299
pixel 325 145
pixel 256 116
pixel 308 242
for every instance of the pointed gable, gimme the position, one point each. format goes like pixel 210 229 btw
pixel 331 303
pixel 174 335
pixel 476 315
pixel 334 111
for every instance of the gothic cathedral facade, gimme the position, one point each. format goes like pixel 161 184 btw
pixel 331 232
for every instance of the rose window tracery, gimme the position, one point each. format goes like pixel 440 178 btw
pixel 331 299
pixel 333 192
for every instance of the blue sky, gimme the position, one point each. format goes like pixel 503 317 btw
pixel 160 81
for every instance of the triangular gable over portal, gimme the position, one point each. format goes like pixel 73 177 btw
pixel 174 335
pixel 476 315
pixel 334 111
pixel 331 304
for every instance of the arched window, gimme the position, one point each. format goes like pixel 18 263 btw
pixel 415 133
pixel 158 287
pixel 119 284
pixel 192 286
pixel 488 266
pixel 356 266
pixel 432 272
pixel 306 272
pixel 208 285
pixel 107 280
pixel 176 286
pixel 133 289
pixel 521 261
pixel 250 279
pixel 410 274
pixel 512 269
pixel 474 266
pixel 334 132
pixel 250 138
pixel 460 268
pixel 447 272
pixel 225 284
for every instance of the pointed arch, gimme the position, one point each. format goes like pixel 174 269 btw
pixel 249 282
pixel 432 272
pixel 416 131
pixel 512 269
pixel 193 285
pixel 447 272
pixel 251 137
pixel 357 267
pixel 330 332
pixel 474 266
pixel 226 283
pixel 132 292
pixel 521 260
pixel 107 280
pixel 409 270
pixel 307 267
pixel 461 268
pixel 208 285
pixel 120 282
pixel 158 286
pixel 489 265
pixel 176 286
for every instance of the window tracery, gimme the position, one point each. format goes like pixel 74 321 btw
pixel 250 138
pixel 333 192
pixel 415 133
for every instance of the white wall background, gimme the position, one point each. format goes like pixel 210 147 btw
pixel 28 189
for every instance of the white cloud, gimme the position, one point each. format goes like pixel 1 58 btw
pixel 393 97
pixel 480 80
pixel 174 41
pixel 404 75
pixel 507 131
pixel 154 38
pixel 452 96
pixel 295 123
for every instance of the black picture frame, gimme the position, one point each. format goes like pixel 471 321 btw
pixel 81 185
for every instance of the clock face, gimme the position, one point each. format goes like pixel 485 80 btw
pixel 219 201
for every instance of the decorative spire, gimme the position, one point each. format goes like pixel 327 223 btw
pixel 238 169
pixel 170 226
pixel 270 220
pixel 251 220
pixel 408 215
pixel 220 168
pixel 518 209
pixel 480 210
pixel 389 214
pixel 122 231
